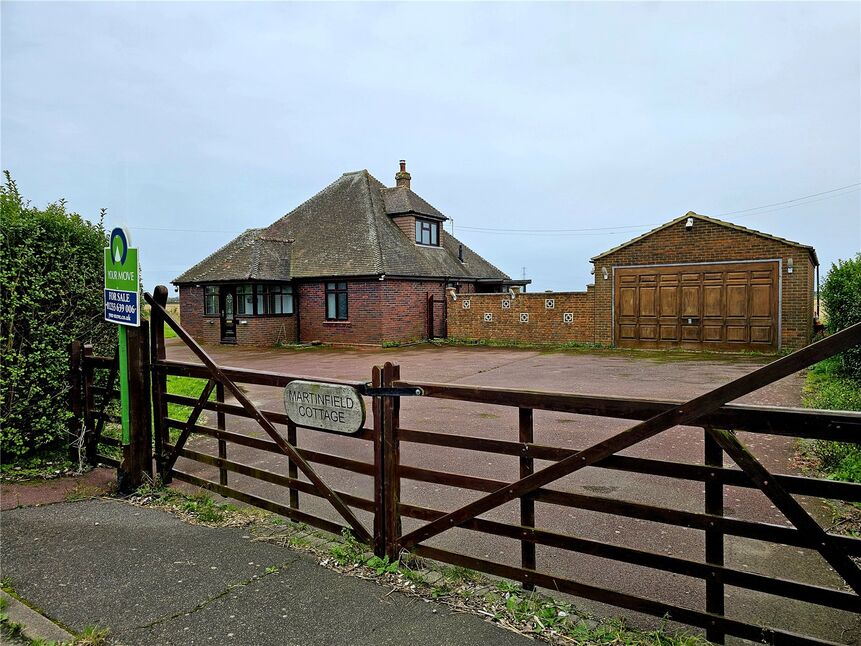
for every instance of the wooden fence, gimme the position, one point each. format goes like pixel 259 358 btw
pixel 725 463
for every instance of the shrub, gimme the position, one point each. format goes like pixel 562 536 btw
pixel 825 388
pixel 51 282
pixel 841 293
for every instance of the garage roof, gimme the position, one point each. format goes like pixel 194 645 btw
pixel 730 225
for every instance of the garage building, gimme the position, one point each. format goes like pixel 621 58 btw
pixel 704 284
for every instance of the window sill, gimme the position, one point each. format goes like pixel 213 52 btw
pixel 428 246
pixel 337 323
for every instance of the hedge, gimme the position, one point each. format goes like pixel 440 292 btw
pixel 51 282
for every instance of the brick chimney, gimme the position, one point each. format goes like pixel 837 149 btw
pixel 402 177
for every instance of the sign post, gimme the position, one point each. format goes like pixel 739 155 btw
pixel 122 300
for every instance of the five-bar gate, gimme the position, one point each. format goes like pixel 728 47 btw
pixel 726 462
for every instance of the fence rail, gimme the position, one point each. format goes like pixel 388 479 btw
pixel 526 485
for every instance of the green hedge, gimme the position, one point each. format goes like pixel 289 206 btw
pixel 51 282
pixel 841 293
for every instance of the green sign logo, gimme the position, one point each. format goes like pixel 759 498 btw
pixel 121 263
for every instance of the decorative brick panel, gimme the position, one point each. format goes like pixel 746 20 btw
pixel 526 317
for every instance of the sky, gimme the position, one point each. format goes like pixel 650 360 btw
pixel 548 132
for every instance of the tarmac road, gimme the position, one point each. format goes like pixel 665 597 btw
pixel 647 375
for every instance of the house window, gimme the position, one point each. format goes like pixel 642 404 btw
pixel 210 300
pixel 245 300
pixel 336 301
pixel 280 299
pixel 427 232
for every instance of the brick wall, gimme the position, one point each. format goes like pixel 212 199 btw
pixel 710 242
pixel 378 311
pixel 407 224
pixel 256 330
pixel 543 324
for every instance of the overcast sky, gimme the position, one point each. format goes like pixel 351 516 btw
pixel 193 122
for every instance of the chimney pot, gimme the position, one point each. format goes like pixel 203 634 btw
pixel 402 177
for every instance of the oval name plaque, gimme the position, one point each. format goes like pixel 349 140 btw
pixel 325 407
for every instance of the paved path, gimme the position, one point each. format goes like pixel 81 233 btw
pixel 648 375
pixel 152 579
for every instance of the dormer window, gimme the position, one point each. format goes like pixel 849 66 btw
pixel 427 232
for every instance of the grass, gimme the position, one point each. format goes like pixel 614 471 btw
pixel 13 633
pixel 173 310
pixel 37 467
pixel 826 388
pixel 198 507
pixel 185 387
pixel 506 602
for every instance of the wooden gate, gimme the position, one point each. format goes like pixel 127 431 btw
pixel 719 422
pixel 718 419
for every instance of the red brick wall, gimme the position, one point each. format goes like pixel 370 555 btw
pixel 378 311
pixel 204 329
pixel 256 330
pixel 407 224
pixel 544 325
pixel 709 242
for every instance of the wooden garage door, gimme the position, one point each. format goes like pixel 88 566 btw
pixel 720 307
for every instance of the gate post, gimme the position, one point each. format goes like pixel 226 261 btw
pixel 379 469
pixel 713 456
pixel 76 404
pixel 137 454
pixel 391 462
pixel 387 484
pixel 159 382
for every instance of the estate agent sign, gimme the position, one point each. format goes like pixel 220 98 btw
pixel 325 407
pixel 122 306
pixel 122 279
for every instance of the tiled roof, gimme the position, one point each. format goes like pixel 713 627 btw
pixel 402 200
pixel 730 225
pixel 344 230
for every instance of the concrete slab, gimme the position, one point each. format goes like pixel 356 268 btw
pixel 33 625
pixel 152 579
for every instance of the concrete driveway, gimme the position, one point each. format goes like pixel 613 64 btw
pixel 648 375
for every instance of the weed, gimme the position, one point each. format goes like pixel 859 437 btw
pixel 83 492
pixel 349 551
pixel 383 565
pixel 92 636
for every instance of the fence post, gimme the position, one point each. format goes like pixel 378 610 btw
pixel 292 469
pixel 714 547
pixel 76 403
pixel 159 382
pixel 379 470
pixel 221 423
pixel 89 405
pixel 527 503
pixel 137 455
pixel 391 462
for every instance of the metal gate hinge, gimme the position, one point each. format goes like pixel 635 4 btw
pixel 370 391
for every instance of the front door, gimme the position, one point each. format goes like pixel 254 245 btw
pixel 227 306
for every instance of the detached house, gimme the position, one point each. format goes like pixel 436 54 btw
pixel 357 263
